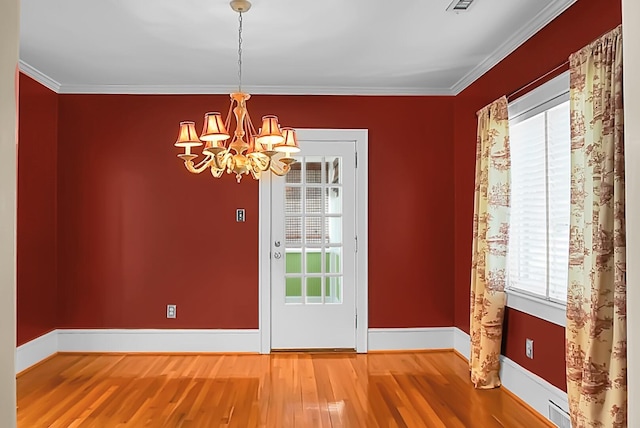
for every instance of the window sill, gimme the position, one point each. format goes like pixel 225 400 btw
pixel 552 312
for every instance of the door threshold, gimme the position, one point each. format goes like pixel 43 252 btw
pixel 315 350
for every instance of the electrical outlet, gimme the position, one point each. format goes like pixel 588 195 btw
pixel 528 348
pixel 171 311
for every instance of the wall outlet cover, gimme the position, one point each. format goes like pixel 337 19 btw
pixel 528 348
pixel 171 311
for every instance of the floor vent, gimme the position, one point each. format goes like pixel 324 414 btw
pixel 459 5
pixel 558 416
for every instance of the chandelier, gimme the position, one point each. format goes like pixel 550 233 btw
pixel 270 148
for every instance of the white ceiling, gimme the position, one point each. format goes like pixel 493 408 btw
pixel 290 46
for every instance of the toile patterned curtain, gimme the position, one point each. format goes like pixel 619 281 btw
pixel 490 239
pixel 596 340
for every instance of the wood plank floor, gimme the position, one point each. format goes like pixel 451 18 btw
pixel 428 389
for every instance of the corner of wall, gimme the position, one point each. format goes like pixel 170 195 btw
pixel 59 297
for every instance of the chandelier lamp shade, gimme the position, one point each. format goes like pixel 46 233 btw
pixel 246 151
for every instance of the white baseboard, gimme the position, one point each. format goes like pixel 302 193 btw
pixel 161 340
pixel 389 339
pixel 529 387
pixel 36 350
pixel 135 340
pixel 462 343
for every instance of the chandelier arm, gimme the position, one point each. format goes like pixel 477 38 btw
pixel 217 173
pixel 227 122
pixel 225 161
pixel 256 173
pixel 206 160
pixel 250 123
pixel 247 130
pixel 202 165
pixel 218 161
pixel 281 168
pixel 260 161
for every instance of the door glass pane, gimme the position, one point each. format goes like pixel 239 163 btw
pixel 333 168
pixel 293 290
pixel 333 200
pixel 293 200
pixel 314 233
pixel 293 261
pixel 333 260
pixel 313 167
pixel 294 175
pixel 293 230
pixel 313 200
pixel 334 229
pixel 314 261
pixel 314 290
pixel 333 289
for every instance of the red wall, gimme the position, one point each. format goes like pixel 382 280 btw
pixel 585 21
pixel 137 231
pixel 37 292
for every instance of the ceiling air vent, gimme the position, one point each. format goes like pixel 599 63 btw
pixel 459 5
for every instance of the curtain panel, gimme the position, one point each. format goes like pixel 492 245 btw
pixel 490 239
pixel 596 342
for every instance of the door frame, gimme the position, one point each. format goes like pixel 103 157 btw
pixel 361 139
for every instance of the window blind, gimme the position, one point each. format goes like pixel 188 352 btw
pixel 559 198
pixel 540 197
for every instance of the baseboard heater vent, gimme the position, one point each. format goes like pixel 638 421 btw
pixel 558 416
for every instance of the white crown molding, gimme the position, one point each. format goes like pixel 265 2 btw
pixel 63 88
pixel 548 14
pixel 255 90
pixel 39 76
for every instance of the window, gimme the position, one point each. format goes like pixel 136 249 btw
pixel 539 130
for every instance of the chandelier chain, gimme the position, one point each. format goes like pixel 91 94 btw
pixel 240 52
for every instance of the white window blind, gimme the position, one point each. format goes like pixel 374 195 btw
pixel 540 197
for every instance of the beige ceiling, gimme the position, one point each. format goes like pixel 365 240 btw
pixel 290 46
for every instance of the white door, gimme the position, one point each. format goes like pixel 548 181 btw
pixel 313 260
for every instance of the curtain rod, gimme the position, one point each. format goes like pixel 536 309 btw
pixel 517 91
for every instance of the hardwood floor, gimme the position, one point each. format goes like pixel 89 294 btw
pixel 428 389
